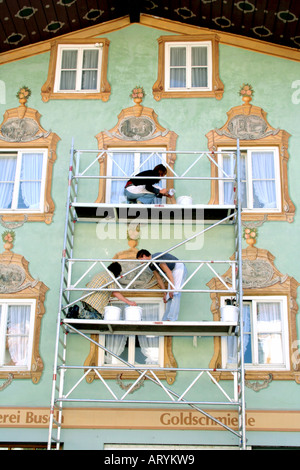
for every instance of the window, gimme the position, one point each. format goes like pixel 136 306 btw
pixel 22 180
pixel 265 335
pixel 188 66
pixel 128 163
pixel 140 349
pixel 16 338
pixel 260 175
pixel 77 70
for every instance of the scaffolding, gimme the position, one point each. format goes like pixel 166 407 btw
pixel 72 292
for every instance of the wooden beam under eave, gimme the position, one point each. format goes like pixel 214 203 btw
pixel 174 27
pixel 45 46
pixel 228 39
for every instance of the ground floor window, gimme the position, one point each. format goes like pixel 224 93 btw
pixel 136 349
pixel 265 338
pixel 16 333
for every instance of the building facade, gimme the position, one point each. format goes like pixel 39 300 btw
pixel 126 97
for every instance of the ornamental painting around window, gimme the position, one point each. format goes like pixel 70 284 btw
pixel 264 164
pixel 269 319
pixel 27 155
pixel 21 311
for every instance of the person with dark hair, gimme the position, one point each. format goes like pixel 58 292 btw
pixel 176 273
pixel 141 190
pixel 94 304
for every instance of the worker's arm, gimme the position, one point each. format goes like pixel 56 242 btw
pixel 168 272
pixel 121 297
pixel 160 282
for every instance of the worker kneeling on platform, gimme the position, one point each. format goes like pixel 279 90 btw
pixel 94 304
pixel 144 191
pixel 176 273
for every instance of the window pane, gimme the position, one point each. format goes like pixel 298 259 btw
pixel 199 56
pixel 269 326
pixel 229 168
pixel 30 181
pixel 89 76
pixel 178 56
pixel 199 77
pixel 89 80
pixel 270 349
pixel 7 179
pixel 118 344
pixel 177 67
pixel 68 70
pixel 68 81
pixel 232 341
pixel 122 165
pixel 263 174
pixel 90 59
pixel 147 348
pixel 69 60
pixel 199 67
pixel 17 335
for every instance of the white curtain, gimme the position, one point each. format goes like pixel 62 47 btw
pixel 177 67
pixel 17 335
pixel 263 174
pixel 232 341
pixel 89 70
pixel 68 70
pixel 89 64
pixel 31 177
pixel 269 333
pixel 229 168
pixel 149 344
pixel 7 180
pixel 199 67
pixel 122 165
pixel 115 344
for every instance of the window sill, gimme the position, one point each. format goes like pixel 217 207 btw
pixel 48 94
pixel 158 95
pixel 27 217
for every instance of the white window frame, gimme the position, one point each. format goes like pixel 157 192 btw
pixel 137 152
pixel 249 185
pixel 80 49
pixel 254 335
pixel 132 339
pixel 5 303
pixel 188 46
pixel 18 154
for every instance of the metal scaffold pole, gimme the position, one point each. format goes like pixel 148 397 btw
pixel 239 297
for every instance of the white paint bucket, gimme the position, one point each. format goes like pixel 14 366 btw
pixel 184 200
pixel 229 313
pixel 112 313
pixel 133 313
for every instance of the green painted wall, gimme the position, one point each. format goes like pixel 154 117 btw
pixel 133 55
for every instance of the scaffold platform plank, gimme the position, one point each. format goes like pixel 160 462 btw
pixel 159 213
pixel 162 328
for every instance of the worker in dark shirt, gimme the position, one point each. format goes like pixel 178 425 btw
pixel 141 190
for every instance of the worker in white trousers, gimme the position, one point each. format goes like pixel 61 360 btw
pixel 176 273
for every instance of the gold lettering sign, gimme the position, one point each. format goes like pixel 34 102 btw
pixel 97 418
